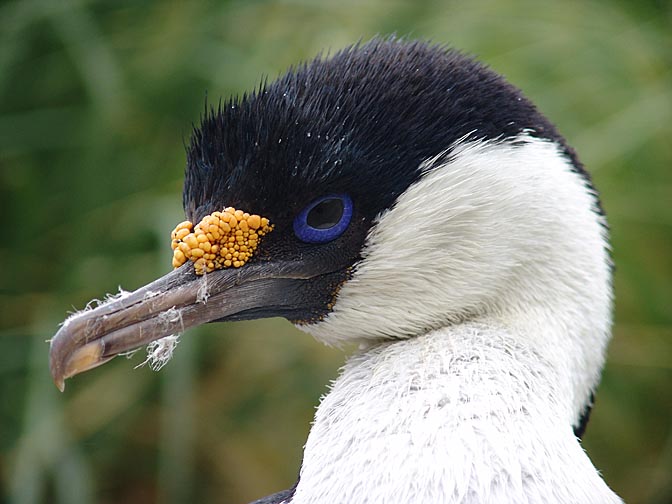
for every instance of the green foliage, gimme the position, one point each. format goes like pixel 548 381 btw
pixel 96 101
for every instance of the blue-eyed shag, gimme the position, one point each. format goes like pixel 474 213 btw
pixel 401 196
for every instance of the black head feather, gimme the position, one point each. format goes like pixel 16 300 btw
pixel 361 122
pixel 365 118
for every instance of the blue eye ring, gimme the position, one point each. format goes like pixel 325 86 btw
pixel 328 206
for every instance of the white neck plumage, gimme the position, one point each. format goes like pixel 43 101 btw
pixel 460 415
pixel 500 340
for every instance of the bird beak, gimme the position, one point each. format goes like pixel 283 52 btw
pixel 173 303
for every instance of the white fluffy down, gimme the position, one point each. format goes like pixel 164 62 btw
pixel 493 271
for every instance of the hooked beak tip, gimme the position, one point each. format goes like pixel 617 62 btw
pixel 82 359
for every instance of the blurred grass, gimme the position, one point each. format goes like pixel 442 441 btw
pixel 96 100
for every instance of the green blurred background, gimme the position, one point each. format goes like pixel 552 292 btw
pixel 96 102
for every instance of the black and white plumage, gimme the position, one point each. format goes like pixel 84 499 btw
pixel 474 273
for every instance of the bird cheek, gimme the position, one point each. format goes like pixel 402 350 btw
pixel 320 296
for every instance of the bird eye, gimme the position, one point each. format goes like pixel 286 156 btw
pixel 324 219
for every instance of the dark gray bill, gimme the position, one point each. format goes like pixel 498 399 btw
pixel 175 302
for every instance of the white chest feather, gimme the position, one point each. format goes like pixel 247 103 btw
pixel 461 416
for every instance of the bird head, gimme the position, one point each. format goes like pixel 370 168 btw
pixel 402 187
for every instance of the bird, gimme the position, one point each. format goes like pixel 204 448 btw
pixel 400 197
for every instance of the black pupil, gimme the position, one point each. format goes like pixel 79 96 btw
pixel 326 214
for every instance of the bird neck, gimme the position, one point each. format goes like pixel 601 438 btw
pixel 501 229
pixel 466 413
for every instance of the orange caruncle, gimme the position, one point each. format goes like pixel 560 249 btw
pixel 221 240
